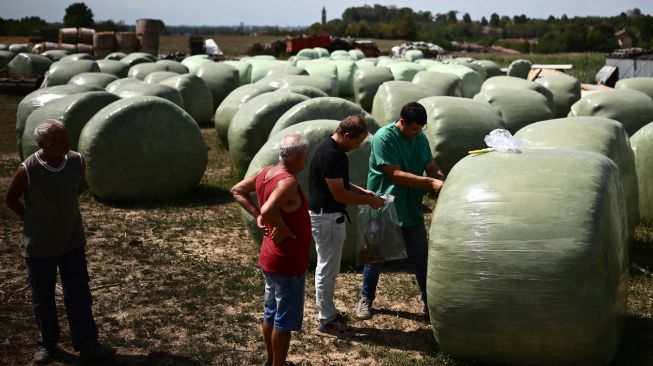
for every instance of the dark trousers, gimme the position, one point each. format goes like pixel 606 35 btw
pixel 42 277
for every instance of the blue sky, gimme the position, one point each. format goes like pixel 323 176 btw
pixel 303 12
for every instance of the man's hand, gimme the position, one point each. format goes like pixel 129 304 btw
pixel 436 185
pixel 278 234
pixel 261 225
pixel 375 201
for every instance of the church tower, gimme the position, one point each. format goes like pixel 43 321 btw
pixel 323 15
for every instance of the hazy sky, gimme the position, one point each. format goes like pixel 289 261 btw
pixel 303 12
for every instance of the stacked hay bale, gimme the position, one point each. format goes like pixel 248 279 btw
pixel 68 39
pixel 147 33
pixel 126 42
pixel 85 40
pixel 103 44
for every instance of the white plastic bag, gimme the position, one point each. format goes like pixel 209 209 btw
pixel 379 234
pixel 501 140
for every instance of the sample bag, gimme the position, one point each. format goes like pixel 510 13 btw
pixel 379 234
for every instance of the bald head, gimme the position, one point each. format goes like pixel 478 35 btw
pixel 292 146
pixel 45 130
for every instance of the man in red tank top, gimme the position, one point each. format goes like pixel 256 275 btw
pixel 283 218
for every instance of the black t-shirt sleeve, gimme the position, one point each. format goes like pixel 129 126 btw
pixel 333 166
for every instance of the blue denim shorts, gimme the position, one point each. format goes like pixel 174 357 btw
pixel 284 301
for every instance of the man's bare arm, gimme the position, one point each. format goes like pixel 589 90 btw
pixel 17 187
pixel 403 178
pixel 241 192
pixel 283 193
pixel 352 197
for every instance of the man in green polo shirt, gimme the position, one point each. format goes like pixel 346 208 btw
pixel 400 157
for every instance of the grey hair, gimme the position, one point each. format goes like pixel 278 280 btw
pixel 291 146
pixel 42 131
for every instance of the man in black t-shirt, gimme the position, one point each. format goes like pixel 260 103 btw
pixel 330 191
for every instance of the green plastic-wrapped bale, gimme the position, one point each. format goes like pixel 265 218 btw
pixel 136 58
pixel 592 134
pixel 367 82
pixel 340 55
pixel 364 64
pixel 28 64
pixel 520 68
pixel 470 79
pixel 456 126
pixel 39 98
pixel 78 56
pixel 528 259
pixel 61 72
pixel 314 132
pixel 333 108
pixel 518 107
pixel 115 56
pixel 346 70
pixel 308 53
pixel 55 55
pixel 97 79
pixel 244 70
pixel 198 100
pixel 442 83
pixel 286 70
pixel 142 149
pixel 321 52
pixel 193 62
pixel 140 71
pixel 413 55
pixel 356 54
pixel 632 108
pixel 157 76
pixel 113 67
pixel 643 84
pixel 490 67
pixel 405 71
pixel 261 66
pixel 252 123
pixel 392 96
pixel 118 84
pixel 472 64
pixel 642 143
pixel 232 104
pixel 515 82
pixel 322 69
pixel 328 86
pixel 127 89
pixel 565 90
pixel 220 78
pixel 73 111
pixel 306 90
pixel 18 48
pixel 174 66
pixel 5 58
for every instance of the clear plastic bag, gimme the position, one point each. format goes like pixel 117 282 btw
pixel 379 234
pixel 501 140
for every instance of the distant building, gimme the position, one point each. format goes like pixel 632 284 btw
pixel 625 38
pixel 323 15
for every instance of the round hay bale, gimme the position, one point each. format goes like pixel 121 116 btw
pixel 321 52
pixel 118 84
pixel 340 55
pixel 333 108
pixel 261 66
pixel 193 62
pixel 148 41
pixel 231 104
pixel 392 96
pixel 142 149
pixel 221 79
pixel 113 67
pixel 97 79
pixel 140 71
pixel 308 91
pixel 70 47
pixel 139 88
pixel 326 85
pixel 198 101
pixel 126 42
pixel 144 25
pixel 364 64
pixel 174 66
pixel 457 125
pixel 309 53
pixel 346 70
pixel 490 67
pixel 472 64
pixel 442 83
pixel 77 56
pixel 642 84
pixel 136 58
pixel 55 55
pixel 470 79
pixel 314 132
pixel 68 35
pixel 366 83
pixel 117 56
pixel 413 55
pixel 591 134
pixel 642 144
pixel 518 107
pixel 5 58
pixel 252 123
pixel 286 70
pixel 427 62
pixel 632 108
pixel 39 98
pixel 61 72
pixel 4 47
pixel 157 76
pixel 405 71
pixel 520 68
pixel 28 64
pixel 322 69
pixel 515 82
pixel 565 90
pixel 104 41
pixel 356 54
pixel 72 110
pixel 86 49
pixel 244 70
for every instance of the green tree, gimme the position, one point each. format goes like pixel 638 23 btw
pixel 494 20
pixel 466 18
pixel 78 15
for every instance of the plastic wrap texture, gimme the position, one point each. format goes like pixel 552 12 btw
pixel 632 108
pixel 520 68
pixel 157 76
pixel 141 149
pixel 490 67
pixel 73 111
pixel 393 95
pixel 306 90
pixel 115 56
pixel 252 123
pixel 643 84
pixel 456 126
pixel 6 57
pixel 261 66
pixel 28 64
pixel 413 55
pixel 591 134
pixel 346 70
pixel 136 58
pixel 565 90
pixel 329 86
pixel 193 62
pixel 39 98
pixel 642 143
pixel 405 71
pixel 471 80
pixel 515 82
pixel 518 107
pixel 113 67
pixel 221 80
pixel 244 70
pixel 528 259
pixel 366 83
pixel 198 100
pixel 174 66
pixel 55 55
pixel 322 108
pixel 96 79
pixel 128 89
pixel 442 83
pixel 61 72
pixel 140 71
pixel 314 132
